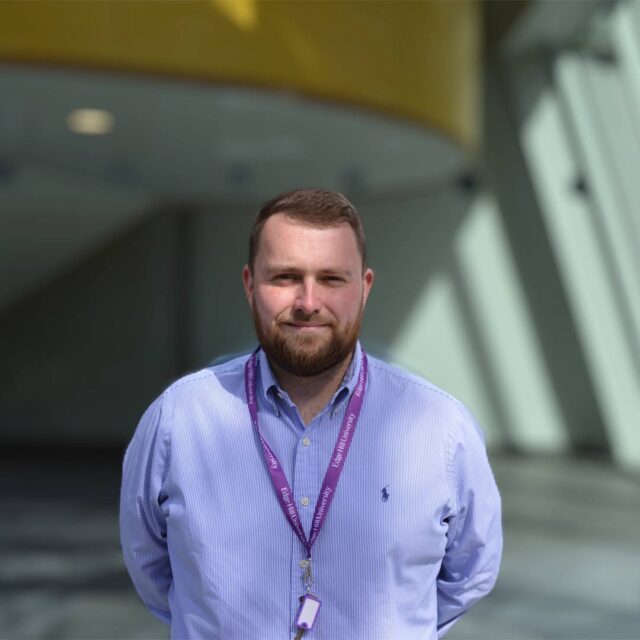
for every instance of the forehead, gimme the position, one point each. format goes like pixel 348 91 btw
pixel 288 241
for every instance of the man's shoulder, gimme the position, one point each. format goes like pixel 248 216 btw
pixel 224 374
pixel 397 376
pixel 415 394
pixel 410 389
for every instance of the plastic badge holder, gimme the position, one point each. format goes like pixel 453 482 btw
pixel 307 612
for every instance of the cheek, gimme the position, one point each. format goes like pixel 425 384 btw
pixel 271 302
pixel 348 307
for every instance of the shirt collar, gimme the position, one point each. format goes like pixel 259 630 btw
pixel 270 387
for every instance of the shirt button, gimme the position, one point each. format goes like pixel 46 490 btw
pixel 306 442
pixel 305 501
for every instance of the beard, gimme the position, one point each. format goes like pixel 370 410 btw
pixel 306 355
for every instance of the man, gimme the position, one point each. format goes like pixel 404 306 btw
pixel 233 522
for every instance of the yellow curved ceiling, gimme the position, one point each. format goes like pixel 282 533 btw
pixel 415 59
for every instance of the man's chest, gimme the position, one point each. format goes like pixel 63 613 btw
pixel 393 493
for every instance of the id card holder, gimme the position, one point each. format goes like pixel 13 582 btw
pixel 308 611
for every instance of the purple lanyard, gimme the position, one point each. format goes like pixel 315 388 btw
pixel 330 482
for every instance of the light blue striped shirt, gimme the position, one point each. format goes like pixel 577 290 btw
pixel 411 541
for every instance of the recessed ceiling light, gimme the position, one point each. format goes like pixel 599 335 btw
pixel 91 122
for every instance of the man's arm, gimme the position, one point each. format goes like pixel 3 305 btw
pixel 474 546
pixel 143 532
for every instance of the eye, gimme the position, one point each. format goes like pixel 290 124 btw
pixel 333 279
pixel 284 277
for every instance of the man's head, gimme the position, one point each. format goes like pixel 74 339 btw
pixel 306 280
pixel 313 207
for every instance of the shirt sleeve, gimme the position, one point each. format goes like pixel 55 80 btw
pixel 474 541
pixel 143 532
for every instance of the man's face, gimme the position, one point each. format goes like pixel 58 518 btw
pixel 307 294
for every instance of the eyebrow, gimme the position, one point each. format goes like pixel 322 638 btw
pixel 288 268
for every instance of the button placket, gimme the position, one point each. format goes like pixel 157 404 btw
pixel 306 480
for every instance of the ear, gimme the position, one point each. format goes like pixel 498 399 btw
pixel 367 283
pixel 247 283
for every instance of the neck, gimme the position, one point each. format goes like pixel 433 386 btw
pixel 311 394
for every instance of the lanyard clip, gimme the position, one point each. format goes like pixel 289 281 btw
pixel 308 575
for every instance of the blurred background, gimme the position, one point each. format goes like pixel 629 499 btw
pixel 493 150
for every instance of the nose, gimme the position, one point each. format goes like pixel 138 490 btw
pixel 307 302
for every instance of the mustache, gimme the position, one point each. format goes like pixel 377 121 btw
pixel 303 318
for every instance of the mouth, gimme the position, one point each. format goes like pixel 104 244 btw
pixel 305 326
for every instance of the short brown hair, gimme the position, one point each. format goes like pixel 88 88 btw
pixel 314 207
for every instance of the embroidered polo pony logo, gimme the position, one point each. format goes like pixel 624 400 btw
pixel 385 493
